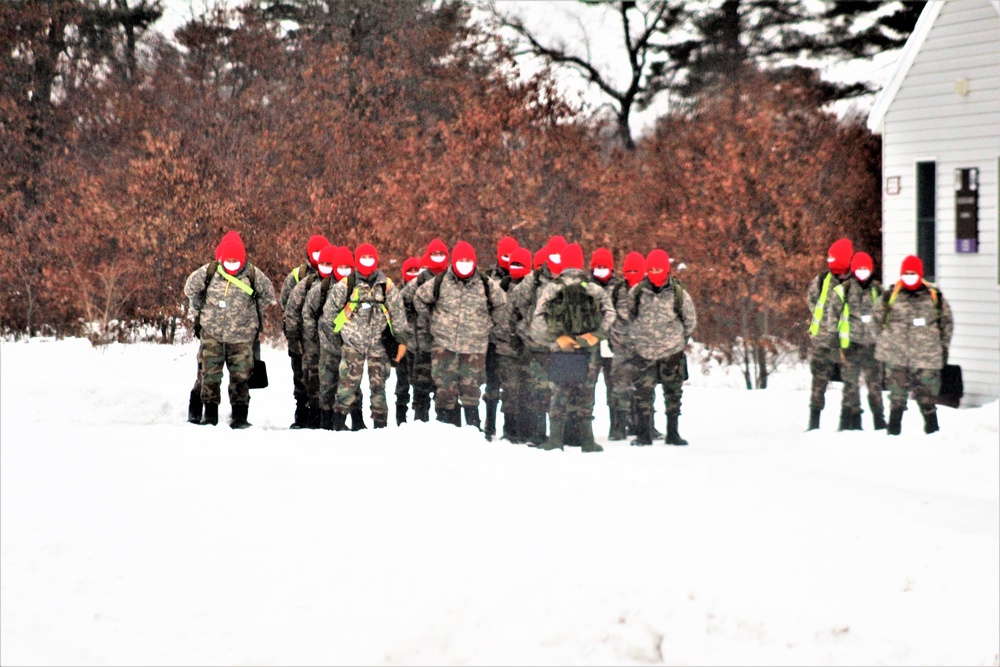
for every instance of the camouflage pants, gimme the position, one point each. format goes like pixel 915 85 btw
pixel 298 379
pixel 493 384
pixel 624 370
pixel 538 391
pixel 310 375
pixel 457 378
pixel 403 379
pixel 604 366
pixel 669 372
pixel 822 366
pixel 576 401
pixel 352 367
pixel 871 371
pixel 421 379
pixel 513 385
pixel 329 376
pixel 213 357
pixel 924 383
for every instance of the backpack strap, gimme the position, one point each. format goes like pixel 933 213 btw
pixel 439 278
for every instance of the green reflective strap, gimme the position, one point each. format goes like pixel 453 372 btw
pixel 295 272
pixel 388 320
pixel 844 323
pixel 874 295
pixel 345 313
pixel 236 281
pixel 820 305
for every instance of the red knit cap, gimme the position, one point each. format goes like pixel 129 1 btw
pixel 657 259
pixel 556 243
pixel 463 252
pixel 839 257
pixel 225 239
pixel 916 265
pixel 555 268
pixel 411 268
pixel 862 260
pixel 634 268
pixel 602 257
pixel 434 247
pixel 540 257
pixel 231 249
pixel 315 245
pixel 572 256
pixel 361 251
pixel 327 256
pixel 505 247
pixel 521 258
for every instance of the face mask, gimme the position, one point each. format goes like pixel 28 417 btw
pixel 344 271
pixel 325 269
pixel 437 257
pixel 910 279
pixel 862 274
pixel 232 267
pixel 413 273
pixel 367 261
pixel 465 268
pixel 315 256
pixel 556 258
pixel 602 273
pixel 505 258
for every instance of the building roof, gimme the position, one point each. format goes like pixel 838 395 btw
pixel 906 57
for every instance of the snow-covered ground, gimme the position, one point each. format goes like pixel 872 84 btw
pixel 131 537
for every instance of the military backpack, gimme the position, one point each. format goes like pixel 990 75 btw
pixel 573 311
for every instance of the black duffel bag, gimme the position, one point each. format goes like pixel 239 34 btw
pixel 952 387
pixel 258 377
pixel 569 367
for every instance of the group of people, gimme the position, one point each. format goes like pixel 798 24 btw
pixel 896 338
pixel 536 329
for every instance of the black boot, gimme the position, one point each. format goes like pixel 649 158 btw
pixel 380 422
pixel 895 421
pixel 535 424
pixel 491 420
pixel 878 419
pixel 856 422
pixel 643 427
pixel 211 417
pixel 315 415
pixel 357 419
pixel 813 419
pixel 586 431
pixel 421 411
pixel 511 429
pixel 472 416
pixel 673 436
pixel 194 407
pixel 401 409
pixel 571 433
pixel 931 422
pixel 326 420
pixel 557 429
pixel 845 421
pixel 339 422
pixel 619 422
pixel 301 415
pixel 239 418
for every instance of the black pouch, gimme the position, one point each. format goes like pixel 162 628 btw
pixel 568 367
pixel 952 387
pixel 390 343
pixel 258 377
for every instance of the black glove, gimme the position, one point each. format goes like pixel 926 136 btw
pixel 945 356
pixel 197 329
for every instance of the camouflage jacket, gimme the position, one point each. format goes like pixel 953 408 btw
pixel 408 292
pixel 363 330
pixel 655 330
pixel 497 272
pixel 228 314
pixel 418 326
pixel 539 325
pixel 618 291
pixel 861 300
pixel 827 337
pixel 292 317
pixel 915 330
pixel 464 314
pixel 312 333
pixel 294 277
pixel 502 334
pixel 523 299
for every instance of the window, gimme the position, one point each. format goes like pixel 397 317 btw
pixel 927 217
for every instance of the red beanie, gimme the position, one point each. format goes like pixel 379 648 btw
pixel 521 257
pixel 658 259
pixel 839 257
pixel 862 260
pixel 555 268
pixel 635 268
pixel 327 256
pixel 602 257
pixel 556 243
pixel 505 247
pixel 463 252
pixel 361 251
pixel 231 249
pixel 540 257
pixel 411 265
pixel 572 256
pixel 916 265
pixel 315 245
pixel 434 247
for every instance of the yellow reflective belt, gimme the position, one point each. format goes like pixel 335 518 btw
pixel 345 313
pixel 820 304
pixel 236 281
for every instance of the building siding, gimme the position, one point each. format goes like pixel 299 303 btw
pixel 928 120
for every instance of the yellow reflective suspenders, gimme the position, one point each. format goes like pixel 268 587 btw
pixel 820 304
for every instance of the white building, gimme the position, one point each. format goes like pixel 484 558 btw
pixel 939 117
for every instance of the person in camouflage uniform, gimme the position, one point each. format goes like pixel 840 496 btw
pixel 491 395
pixel 308 338
pixel 863 294
pixel 295 277
pixel 459 308
pixel 555 323
pixel 410 270
pixel 826 299
pixel 194 403
pixel 227 298
pixel 523 299
pixel 511 361
pixel 624 367
pixel 916 326
pixel 360 308
pixel 421 379
pixel 602 270
pixel 661 319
